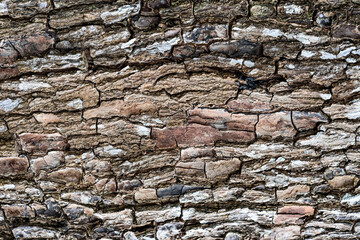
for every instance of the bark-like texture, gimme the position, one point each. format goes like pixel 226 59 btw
pixel 223 119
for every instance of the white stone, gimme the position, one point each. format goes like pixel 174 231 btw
pixel 293 9
pixel 249 64
pixel 345 52
pixel 113 151
pixel 143 131
pixel 42 5
pixel 326 55
pixel 26 232
pixel 307 54
pixel 272 32
pixel 31 85
pixel 351 200
pixel 353 111
pixel 8 104
pixel 3 8
pixel 76 103
pixel 121 14
pixel 325 96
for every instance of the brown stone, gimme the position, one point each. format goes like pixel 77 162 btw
pixel 222 119
pixel 10 166
pixel 255 103
pixel 343 182
pixel 195 169
pixel 34 45
pixel 6 73
pixel 275 125
pixel 307 120
pixel 119 108
pixel 346 31
pixel 8 54
pixel 239 48
pixel 67 175
pixel 292 192
pixel 35 143
pixel 288 233
pixel 47 118
pixel 51 160
pixel 282 219
pixel 222 168
pixel 304 210
pixel 189 153
pixel 18 211
pixel 145 195
pixel 196 135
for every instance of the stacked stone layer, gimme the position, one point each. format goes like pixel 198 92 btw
pixel 224 119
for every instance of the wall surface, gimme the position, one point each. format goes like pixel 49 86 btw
pixel 213 119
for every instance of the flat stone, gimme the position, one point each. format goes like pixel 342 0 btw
pixel 346 31
pixel 222 168
pixel 12 166
pixel 119 108
pixel 145 195
pixel 190 169
pixel 304 121
pixel 239 48
pixel 304 210
pixel 169 230
pixel 35 143
pixel 276 125
pixel 171 191
pixel 343 182
pixel 221 119
pixel 66 175
pixel 190 153
pixel 255 103
pixel 196 135
pixel 50 161
pixel 28 232
pixel 47 118
pixel 292 192
pixel 287 219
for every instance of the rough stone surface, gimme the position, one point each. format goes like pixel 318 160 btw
pixel 169 120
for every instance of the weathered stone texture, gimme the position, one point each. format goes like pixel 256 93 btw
pixel 159 119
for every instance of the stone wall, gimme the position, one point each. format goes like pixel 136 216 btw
pixel 213 119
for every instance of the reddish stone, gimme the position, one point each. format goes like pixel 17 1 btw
pixel 10 166
pixel 307 120
pixel 8 54
pixel 119 108
pixel 17 211
pixel 34 45
pixel 221 119
pixel 197 153
pixel 275 125
pixel 281 219
pixel 41 143
pixel 67 175
pixel 195 135
pixel 10 72
pixel 255 103
pixel 304 210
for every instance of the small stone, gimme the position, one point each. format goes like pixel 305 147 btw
pixel 233 236
pixel 343 182
pixel 33 232
pixel 324 188
pixel 172 191
pixel 239 48
pixel 292 192
pixel 18 211
pixel 287 219
pixel 11 166
pixel 346 31
pixel 191 169
pixel 288 233
pixel 222 168
pixel 169 230
pixel 67 175
pixel 145 195
pixel 304 121
pixel 276 125
pixel 119 108
pixel 47 118
pixel 262 11
pixel 304 210
pixel 35 143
